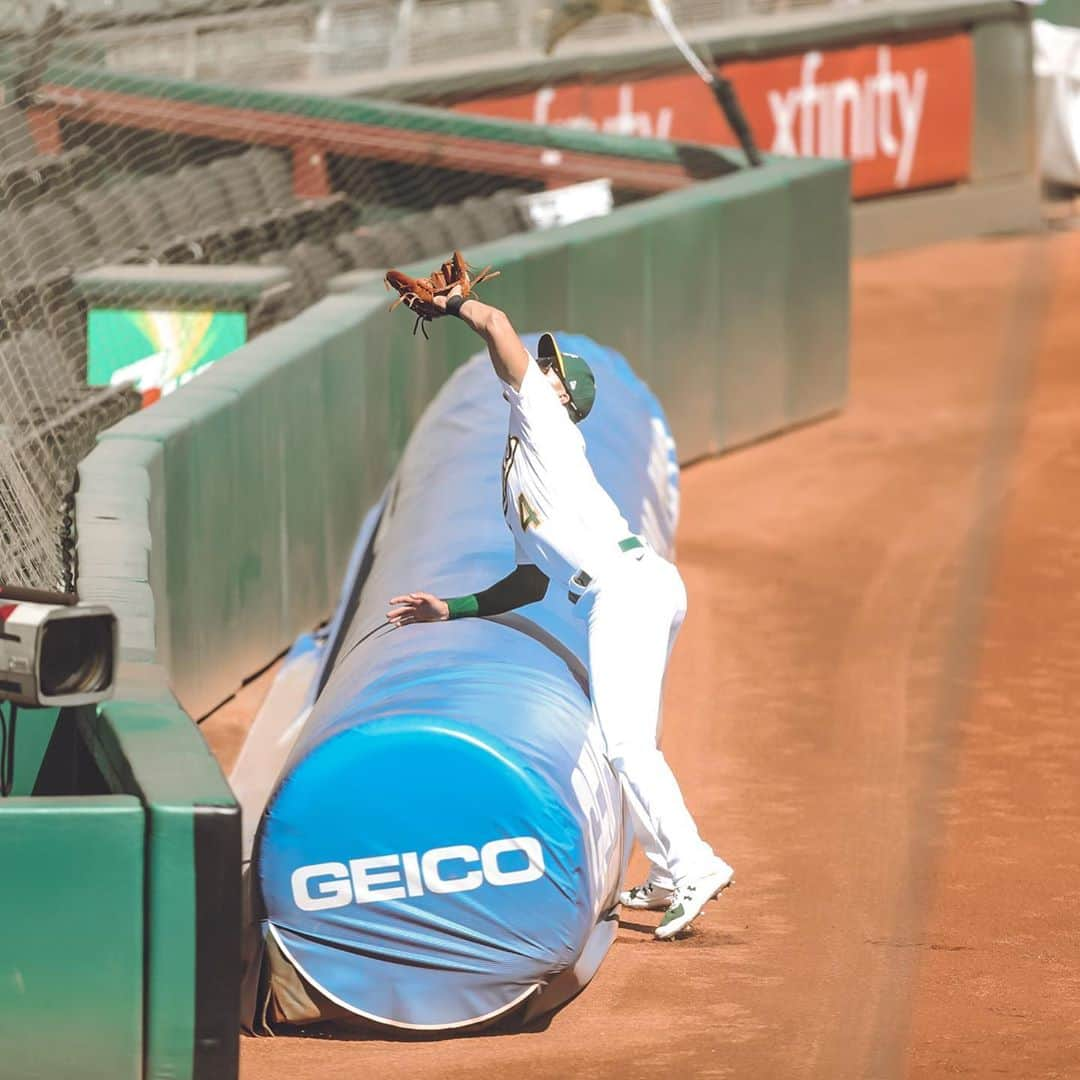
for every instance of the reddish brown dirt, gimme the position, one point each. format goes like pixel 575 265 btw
pixel 872 712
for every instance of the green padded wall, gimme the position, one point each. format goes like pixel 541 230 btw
pixel 730 298
pixel 1064 12
pixel 179 894
pixel 34 729
pixel 146 745
pixel 71 956
pixel 1003 139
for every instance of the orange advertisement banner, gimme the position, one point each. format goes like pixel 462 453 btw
pixel 901 113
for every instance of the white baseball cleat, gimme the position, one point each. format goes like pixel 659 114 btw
pixel 690 898
pixel 647 897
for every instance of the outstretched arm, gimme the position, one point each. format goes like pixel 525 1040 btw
pixel 508 356
pixel 525 585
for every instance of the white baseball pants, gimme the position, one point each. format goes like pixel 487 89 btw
pixel 634 610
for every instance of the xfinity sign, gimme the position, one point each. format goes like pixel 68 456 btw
pixel 831 118
pixel 458 868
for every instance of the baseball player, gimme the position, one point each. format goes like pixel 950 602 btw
pixel 568 530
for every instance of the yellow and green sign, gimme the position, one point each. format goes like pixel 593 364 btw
pixel 158 350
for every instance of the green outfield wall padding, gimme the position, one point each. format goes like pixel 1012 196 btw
pixel 71 938
pixel 730 298
pixel 816 333
pixel 34 729
pixel 1003 138
pixel 145 744
pixel 1065 12
pixel 182 898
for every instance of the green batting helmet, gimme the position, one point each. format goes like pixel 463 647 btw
pixel 576 376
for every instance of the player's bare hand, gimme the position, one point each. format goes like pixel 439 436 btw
pixel 439 300
pixel 417 607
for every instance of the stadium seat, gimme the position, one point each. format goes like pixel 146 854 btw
pixel 27 175
pixel 249 219
pixel 241 237
pixel 156 221
pixel 63 174
pixel 278 303
pixel 114 227
pixel 305 283
pixel 18 378
pixel 41 245
pixel 432 237
pixel 214 241
pixel 52 439
pixel 181 211
pixel 84 168
pixel 53 307
pixel 495 216
pixel 15 136
pixel 246 199
pixel 47 376
pixel 144 210
pixel 21 185
pixel 250 201
pixel 503 207
pixel 14 268
pixel 290 301
pixel 311 218
pixel 460 228
pixel 401 245
pixel 73 231
pixel 489 224
pixel 319 262
pixel 273 175
pixel 362 249
pixel 208 193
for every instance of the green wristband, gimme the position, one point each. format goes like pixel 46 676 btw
pixel 461 607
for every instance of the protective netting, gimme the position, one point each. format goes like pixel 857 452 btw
pixel 141 140
pixel 106 190
pixel 48 414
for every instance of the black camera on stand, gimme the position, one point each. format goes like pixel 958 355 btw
pixel 54 652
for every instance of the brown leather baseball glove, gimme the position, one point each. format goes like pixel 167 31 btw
pixel 418 294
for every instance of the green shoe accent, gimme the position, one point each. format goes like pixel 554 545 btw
pixel 671 915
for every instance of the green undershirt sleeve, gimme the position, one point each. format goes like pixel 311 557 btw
pixel 461 607
pixel 525 585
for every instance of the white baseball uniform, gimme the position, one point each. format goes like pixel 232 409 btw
pixel 634 601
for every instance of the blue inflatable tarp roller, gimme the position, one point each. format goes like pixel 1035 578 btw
pixel 446 840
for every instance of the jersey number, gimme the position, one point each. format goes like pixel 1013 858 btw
pixel 508 461
pixel 527 514
pixel 525 511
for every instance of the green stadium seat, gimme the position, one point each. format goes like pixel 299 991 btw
pixel 209 194
pixel 308 218
pixel 319 262
pixel 239 179
pixel 401 245
pixel 15 136
pixel 431 235
pixel 460 228
pixel 479 211
pixel 115 229
pixel 362 249
pixel 14 268
pixel 40 243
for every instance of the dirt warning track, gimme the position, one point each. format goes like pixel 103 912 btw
pixel 871 709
